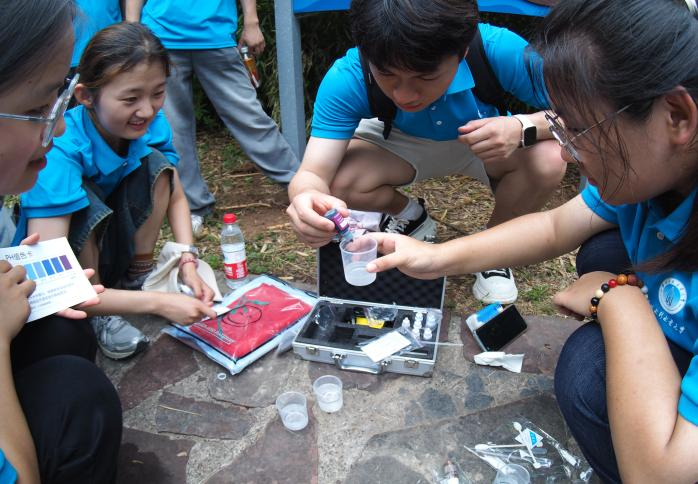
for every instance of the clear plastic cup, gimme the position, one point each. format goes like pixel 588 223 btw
pixel 512 474
pixel 356 254
pixel 328 393
pixel 292 407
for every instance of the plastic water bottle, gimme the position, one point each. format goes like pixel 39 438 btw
pixel 234 257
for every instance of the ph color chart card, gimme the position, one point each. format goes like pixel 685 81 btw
pixel 60 282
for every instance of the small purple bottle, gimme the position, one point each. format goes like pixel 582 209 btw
pixel 340 223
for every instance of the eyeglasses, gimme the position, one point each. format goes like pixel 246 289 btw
pixel 57 111
pixel 567 142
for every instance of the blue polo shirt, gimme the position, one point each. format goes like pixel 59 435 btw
pixel 93 16
pixel 8 474
pixel 180 24
pixel 648 232
pixel 342 101
pixel 82 153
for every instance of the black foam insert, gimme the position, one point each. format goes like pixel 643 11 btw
pixel 390 287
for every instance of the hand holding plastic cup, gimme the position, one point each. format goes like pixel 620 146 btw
pixel 292 407
pixel 356 254
pixel 328 393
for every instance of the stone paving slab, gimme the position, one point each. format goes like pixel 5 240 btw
pixel 541 342
pixel 415 451
pixel 180 415
pixel 151 458
pixel 260 383
pixel 183 424
pixel 165 362
pixel 281 456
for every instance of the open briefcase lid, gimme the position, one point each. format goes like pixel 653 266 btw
pixel 390 287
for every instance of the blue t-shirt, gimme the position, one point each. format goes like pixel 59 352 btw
pixel 342 101
pixel 8 474
pixel 93 16
pixel 648 232
pixel 209 24
pixel 82 153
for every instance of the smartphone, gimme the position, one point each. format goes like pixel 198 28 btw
pixel 501 330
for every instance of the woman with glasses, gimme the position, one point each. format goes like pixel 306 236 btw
pixel 622 77
pixel 61 417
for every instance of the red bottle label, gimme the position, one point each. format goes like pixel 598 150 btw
pixel 236 270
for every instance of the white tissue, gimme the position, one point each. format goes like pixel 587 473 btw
pixel 370 221
pixel 500 358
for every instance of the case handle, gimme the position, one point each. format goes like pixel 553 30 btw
pixel 376 369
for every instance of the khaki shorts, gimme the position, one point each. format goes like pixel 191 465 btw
pixel 429 158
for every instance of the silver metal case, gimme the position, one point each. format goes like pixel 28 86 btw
pixel 391 289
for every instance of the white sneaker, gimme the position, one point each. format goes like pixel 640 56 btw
pixel 197 225
pixel 496 285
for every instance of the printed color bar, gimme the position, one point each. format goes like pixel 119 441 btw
pixel 47 267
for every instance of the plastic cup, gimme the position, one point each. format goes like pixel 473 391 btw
pixel 328 393
pixel 356 254
pixel 292 407
pixel 512 474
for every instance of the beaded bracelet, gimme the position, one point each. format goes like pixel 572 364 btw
pixel 625 278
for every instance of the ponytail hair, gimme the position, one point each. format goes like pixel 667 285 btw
pixel 617 53
pixel 117 49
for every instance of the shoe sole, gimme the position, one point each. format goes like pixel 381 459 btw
pixel 426 231
pixel 484 296
pixel 122 355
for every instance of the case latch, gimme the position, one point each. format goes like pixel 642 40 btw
pixel 411 364
pixel 311 350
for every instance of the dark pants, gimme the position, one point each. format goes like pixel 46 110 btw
pixel 72 409
pixel 116 218
pixel 580 376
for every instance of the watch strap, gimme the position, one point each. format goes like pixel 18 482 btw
pixel 526 124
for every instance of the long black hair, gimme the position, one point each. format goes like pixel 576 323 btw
pixel 414 35
pixel 618 53
pixel 29 31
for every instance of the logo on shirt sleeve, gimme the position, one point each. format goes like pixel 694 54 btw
pixel 672 295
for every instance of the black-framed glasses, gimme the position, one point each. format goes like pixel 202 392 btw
pixel 567 141
pixel 54 115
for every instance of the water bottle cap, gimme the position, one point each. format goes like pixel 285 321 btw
pixel 243 49
pixel 229 218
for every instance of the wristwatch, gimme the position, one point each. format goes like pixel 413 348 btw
pixel 192 249
pixel 529 132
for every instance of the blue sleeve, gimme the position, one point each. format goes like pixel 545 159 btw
pixel 341 101
pixel 8 474
pixel 591 197
pixel 160 138
pixel 507 54
pixel 688 402
pixel 58 190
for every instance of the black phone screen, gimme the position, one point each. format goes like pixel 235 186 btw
pixel 502 329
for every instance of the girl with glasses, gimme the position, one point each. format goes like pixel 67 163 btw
pixel 110 182
pixel 61 417
pixel 622 76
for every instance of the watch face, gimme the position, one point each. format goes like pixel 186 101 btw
pixel 529 136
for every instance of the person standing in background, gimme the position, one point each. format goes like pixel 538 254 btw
pixel 92 16
pixel 202 42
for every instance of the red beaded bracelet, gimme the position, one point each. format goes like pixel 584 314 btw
pixel 622 279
